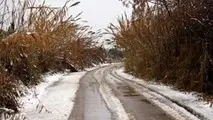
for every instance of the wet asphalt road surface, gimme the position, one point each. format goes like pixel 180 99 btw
pixel 88 103
pixel 90 106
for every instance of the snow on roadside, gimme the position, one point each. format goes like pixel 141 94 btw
pixel 185 99
pixel 52 99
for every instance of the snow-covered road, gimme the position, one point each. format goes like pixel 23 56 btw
pixel 120 100
pixel 107 93
pixel 185 104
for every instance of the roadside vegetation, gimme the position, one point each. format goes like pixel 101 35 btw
pixel 35 39
pixel 169 41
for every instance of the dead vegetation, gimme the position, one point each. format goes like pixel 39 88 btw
pixel 35 39
pixel 169 41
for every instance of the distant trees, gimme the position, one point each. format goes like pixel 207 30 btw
pixel 169 40
pixel 115 53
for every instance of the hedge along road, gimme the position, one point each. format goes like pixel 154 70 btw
pixel 102 97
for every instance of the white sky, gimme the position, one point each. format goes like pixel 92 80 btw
pixel 98 13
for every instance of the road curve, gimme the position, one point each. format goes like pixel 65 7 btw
pixel 91 102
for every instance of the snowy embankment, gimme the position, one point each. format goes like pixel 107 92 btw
pixel 187 100
pixel 52 99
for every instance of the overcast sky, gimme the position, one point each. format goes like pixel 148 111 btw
pixel 98 13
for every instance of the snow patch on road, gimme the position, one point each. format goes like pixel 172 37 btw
pixel 113 103
pixel 190 100
pixel 52 99
pixel 96 66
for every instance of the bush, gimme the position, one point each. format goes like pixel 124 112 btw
pixel 170 41
pixel 41 39
pixel 48 40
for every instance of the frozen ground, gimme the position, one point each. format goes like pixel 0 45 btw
pixel 52 99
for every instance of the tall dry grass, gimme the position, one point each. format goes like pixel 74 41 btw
pixel 35 39
pixel 169 41
pixel 9 92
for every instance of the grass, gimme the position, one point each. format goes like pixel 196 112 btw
pixel 9 92
pixel 169 41
pixel 36 39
